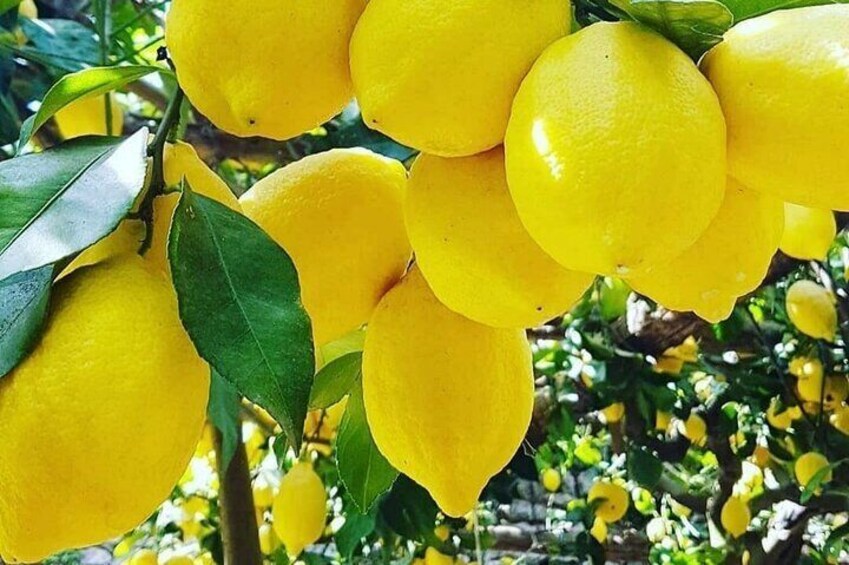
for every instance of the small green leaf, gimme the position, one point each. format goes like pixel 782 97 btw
pixel 335 380
pixel 816 481
pixel 61 201
pixel 743 9
pixel 240 303
pixel 90 82
pixel 6 5
pixel 644 467
pixel 23 306
pixel 409 510
pixel 223 412
pixel 694 25
pixel 356 527
pixel 63 44
pixel 362 468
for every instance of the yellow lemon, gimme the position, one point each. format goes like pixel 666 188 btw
pixel 87 116
pixel 599 530
pixel 300 508
pixel 613 413
pixel 180 560
pixel 281 72
pixel 808 232
pixel 181 161
pixel 115 323
pixel 808 465
pixel 474 251
pixel 735 516
pixel 710 276
pixel 339 215
pixel 761 456
pixel 144 557
pixel 695 429
pixel 840 419
pixel 551 480
pixel 662 419
pixel 811 309
pixel 613 501
pixel 263 494
pixel 442 532
pixel 268 540
pixel 424 402
pixel 781 420
pixel 781 80
pixel 806 368
pixel 434 557
pixel 28 9
pixel 126 239
pixel 613 123
pixel 440 75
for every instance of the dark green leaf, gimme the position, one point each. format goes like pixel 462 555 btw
pixel 90 82
pixel 694 25
pixel 644 467
pixel 335 380
pixel 23 305
pixel 356 527
pixel 63 44
pixel 409 510
pixel 240 302
pixel 61 201
pixel 6 5
pixel 364 471
pixel 223 412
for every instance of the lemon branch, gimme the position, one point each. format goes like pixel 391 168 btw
pixel 157 180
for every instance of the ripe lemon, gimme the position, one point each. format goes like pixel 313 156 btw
pixel 710 276
pixel 339 215
pixel 551 480
pixel 474 251
pixel 781 420
pixel 840 419
pixel 599 530
pixel 440 75
pixel 126 239
pixel 434 557
pixel 613 501
pixel 695 429
pixel 613 413
pixel 28 9
pixel 781 79
pixel 180 560
pixel 811 309
pixel 662 419
pixel 263 495
pixel 144 557
pixel 806 368
pixel 808 232
pixel 425 403
pixel 268 540
pixel 735 516
pixel 613 123
pixel 761 456
pixel 180 161
pixel 300 508
pixel 87 116
pixel 282 71
pixel 112 400
pixel 808 465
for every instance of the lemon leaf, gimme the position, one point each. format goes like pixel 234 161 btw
pixel 364 471
pixel 743 9
pixel 239 301
pixel 335 380
pixel 410 511
pixel 23 306
pixel 223 411
pixel 356 527
pixel 61 201
pixel 644 467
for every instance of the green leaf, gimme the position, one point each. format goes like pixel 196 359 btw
pixel 694 25
pixel 23 306
pixel 61 201
pixel 362 468
pixel 743 9
pixel 63 44
pixel 816 481
pixel 335 380
pixel 90 82
pixel 409 510
pixel 356 527
pixel 223 412
pixel 644 467
pixel 240 303
pixel 837 535
pixel 6 5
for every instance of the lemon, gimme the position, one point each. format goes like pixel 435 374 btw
pixel 808 465
pixel 424 403
pixel 180 560
pixel 126 239
pixel 440 75
pixel 300 508
pixel 840 419
pixel 808 232
pixel 695 429
pixel 662 419
pixel 599 530
pixel 268 540
pixel 180 161
pixel 339 215
pixel 551 480
pixel 761 456
pixel 613 501
pixel 263 494
pixel 87 116
pixel 781 79
pixel 778 420
pixel 144 557
pixel 28 9
pixel 113 369
pixel 613 123
pixel 442 532
pixel 613 413
pixel 281 72
pixel 434 557
pixel 473 250
pixel 806 368
pixel 735 516
pixel 811 309
pixel 710 276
